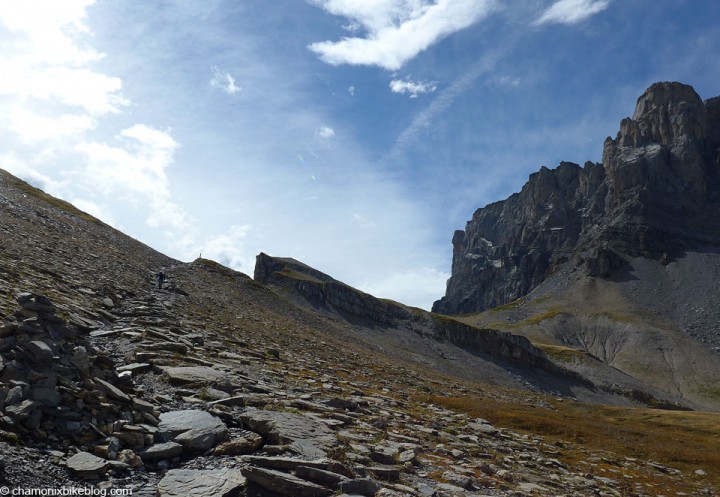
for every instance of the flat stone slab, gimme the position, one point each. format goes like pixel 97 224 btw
pixel 135 368
pixel 87 465
pixel 193 429
pixel 320 476
pixel 482 426
pixel 291 463
pixel 112 391
pixel 181 375
pixel 307 437
pixel 200 483
pixel 105 333
pixel 166 450
pixel 284 483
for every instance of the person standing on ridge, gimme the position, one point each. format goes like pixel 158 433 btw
pixel 160 279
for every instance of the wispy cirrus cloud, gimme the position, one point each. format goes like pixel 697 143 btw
pixel 412 88
pixel 423 120
pixel 325 132
pixel 224 81
pixel 396 30
pixel 571 11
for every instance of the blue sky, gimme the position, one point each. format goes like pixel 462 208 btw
pixel 354 135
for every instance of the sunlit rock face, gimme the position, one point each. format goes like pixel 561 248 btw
pixel 653 196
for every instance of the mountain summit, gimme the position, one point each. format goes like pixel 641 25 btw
pixel 654 196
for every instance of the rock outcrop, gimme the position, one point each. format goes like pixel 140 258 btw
pixel 324 292
pixel 313 288
pixel 653 196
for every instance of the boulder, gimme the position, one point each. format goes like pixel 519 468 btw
pixel 195 430
pixel 361 486
pixel 307 437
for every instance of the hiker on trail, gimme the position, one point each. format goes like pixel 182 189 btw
pixel 160 279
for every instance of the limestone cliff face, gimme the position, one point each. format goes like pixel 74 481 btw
pixel 654 195
pixel 323 292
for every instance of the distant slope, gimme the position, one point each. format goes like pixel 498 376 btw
pixel 469 346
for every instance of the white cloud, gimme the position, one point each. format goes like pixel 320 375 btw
pixel 42 59
pixel 571 11
pixel 397 30
pixel 325 132
pixel 31 127
pixel 43 30
pixel 418 287
pixel 351 91
pixel 230 249
pixel 411 87
pixel 137 167
pixel 224 81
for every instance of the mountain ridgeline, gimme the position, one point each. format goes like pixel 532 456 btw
pixel 656 195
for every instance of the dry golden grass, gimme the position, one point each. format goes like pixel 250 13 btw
pixel 562 353
pixel 683 440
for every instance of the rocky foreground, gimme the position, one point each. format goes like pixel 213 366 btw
pixel 152 402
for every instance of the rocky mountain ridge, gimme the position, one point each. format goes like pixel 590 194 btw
pixel 321 291
pixel 653 196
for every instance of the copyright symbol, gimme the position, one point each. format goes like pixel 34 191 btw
pixel 4 491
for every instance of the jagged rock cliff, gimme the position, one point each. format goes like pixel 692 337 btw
pixel 654 195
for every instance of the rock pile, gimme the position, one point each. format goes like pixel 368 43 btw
pixel 56 386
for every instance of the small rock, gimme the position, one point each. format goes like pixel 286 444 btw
pixel 39 352
pixel 130 458
pixel 166 450
pixel 22 410
pixel 361 486
pixel 245 443
pixel 14 396
pixel 112 391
